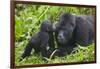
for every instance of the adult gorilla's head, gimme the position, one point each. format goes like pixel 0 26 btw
pixel 65 27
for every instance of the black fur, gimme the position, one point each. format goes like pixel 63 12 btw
pixel 40 41
pixel 72 30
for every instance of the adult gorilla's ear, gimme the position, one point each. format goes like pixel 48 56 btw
pixel 81 31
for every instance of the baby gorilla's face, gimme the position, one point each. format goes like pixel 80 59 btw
pixel 47 26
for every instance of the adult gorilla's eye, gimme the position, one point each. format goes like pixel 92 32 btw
pixel 71 26
pixel 65 33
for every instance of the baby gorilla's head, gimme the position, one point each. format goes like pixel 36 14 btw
pixel 46 26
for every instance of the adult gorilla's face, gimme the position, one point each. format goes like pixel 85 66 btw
pixel 65 28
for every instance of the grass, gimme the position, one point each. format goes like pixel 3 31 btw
pixel 28 19
pixel 81 54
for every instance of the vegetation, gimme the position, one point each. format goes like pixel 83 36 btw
pixel 28 19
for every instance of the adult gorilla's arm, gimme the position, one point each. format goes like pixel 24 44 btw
pixel 83 30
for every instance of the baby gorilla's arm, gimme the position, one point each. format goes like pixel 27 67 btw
pixel 27 51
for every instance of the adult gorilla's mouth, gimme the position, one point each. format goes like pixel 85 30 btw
pixel 62 41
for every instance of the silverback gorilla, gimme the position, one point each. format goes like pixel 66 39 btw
pixel 72 30
pixel 40 41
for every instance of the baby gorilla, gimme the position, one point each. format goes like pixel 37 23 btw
pixel 40 41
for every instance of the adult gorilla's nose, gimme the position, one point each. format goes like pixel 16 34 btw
pixel 60 36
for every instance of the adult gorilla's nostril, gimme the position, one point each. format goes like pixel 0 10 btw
pixel 60 36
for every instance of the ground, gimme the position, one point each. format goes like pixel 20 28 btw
pixel 83 54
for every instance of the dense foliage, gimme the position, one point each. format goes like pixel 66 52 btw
pixel 28 19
